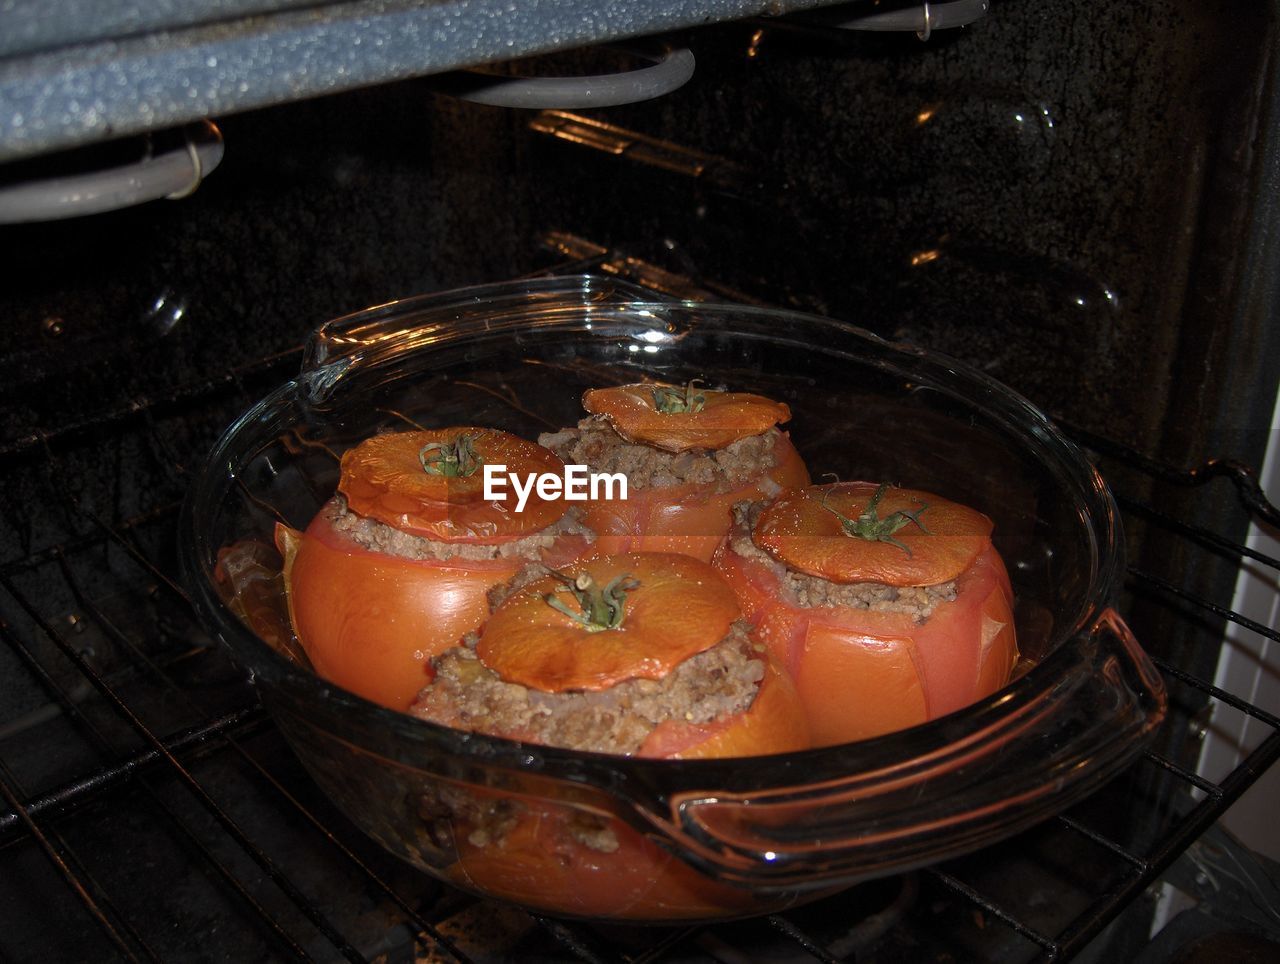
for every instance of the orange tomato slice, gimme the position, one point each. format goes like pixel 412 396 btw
pixel 679 607
pixel 804 529
pixel 384 478
pixel 724 417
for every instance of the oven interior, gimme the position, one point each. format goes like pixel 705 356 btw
pixel 1077 198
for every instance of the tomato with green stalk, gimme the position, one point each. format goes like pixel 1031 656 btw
pixel 576 638
pixel 888 606
pixel 607 621
pixel 682 421
pixel 399 566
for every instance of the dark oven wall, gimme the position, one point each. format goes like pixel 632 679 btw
pixel 1061 193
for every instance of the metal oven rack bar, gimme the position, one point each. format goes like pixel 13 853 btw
pixel 180 758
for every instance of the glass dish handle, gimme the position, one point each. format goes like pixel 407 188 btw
pixel 411 324
pixel 1096 703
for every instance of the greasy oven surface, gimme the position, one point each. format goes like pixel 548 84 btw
pixel 1071 197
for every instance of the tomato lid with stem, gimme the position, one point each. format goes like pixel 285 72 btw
pixel 678 418
pixel 431 482
pixel 851 532
pixel 608 619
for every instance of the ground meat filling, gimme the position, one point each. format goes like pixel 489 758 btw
pixel 811 592
pixel 718 682
pixel 380 537
pixel 449 811
pixel 595 444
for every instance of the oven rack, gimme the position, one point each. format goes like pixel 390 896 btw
pixel 164 735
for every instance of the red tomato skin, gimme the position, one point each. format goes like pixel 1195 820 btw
pixel 370 621
pixel 860 673
pixel 691 519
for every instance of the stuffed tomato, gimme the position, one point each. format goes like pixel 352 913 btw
pixel 396 567
pixel 688 454
pixel 642 654
pixel 888 607
pixel 638 654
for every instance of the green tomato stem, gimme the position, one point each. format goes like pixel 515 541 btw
pixel 454 460
pixel 871 527
pixel 672 401
pixel 598 608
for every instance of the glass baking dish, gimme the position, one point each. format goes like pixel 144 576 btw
pixel 599 836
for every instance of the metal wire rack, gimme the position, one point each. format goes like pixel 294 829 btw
pixel 150 807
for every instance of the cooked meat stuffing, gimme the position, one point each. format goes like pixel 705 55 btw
pixel 593 832
pixel 717 682
pixel 529 572
pixel 814 591
pixel 594 443
pixel 918 601
pixel 487 819
pixel 445 807
pixel 372 534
